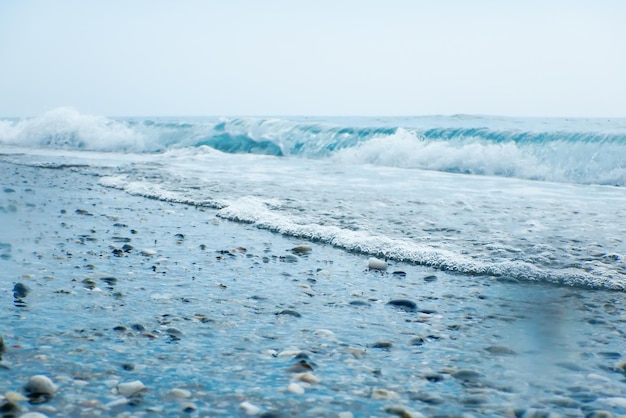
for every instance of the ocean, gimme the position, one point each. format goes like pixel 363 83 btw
pixel 435 266
pixel 529 199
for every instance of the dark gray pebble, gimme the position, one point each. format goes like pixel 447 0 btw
pixel 127 248
pixel 383 345
pixel 467 375
pixel 289 312
pixel 111 281
pixel 9 190
pixel 138 327
pixel 404 304
pixel 128 366
pixel 599 414
pixel 301 367
pixel 418 341
pixel 399 273
pixel 430 278
pixel 499 350
pixel 82 212
pixel 89 283
pixel 359 303
pixel 3 347
pixel 20 290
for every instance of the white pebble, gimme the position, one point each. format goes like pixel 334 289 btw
pixel 376 264
pixel 180 393
pixel 249 408
pixel 41 384
pixel 14 397
pixel 130 388
pixel 116 402
pixel 324 333
pixel 346 415
pixel 148 253
pixel 33 415
pixel 295 388
pixel 306 377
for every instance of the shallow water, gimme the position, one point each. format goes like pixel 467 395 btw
pixel 202 314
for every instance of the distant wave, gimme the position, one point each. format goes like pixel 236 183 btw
pixel 579 151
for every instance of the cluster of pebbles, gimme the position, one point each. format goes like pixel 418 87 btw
pixel 122 306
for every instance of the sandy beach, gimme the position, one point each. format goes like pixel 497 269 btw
pixel 136 307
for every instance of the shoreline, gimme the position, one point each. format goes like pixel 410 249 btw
pixel 216 318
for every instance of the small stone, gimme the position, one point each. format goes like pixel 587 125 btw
pixel 249 408
pixel 403 304
pixel 300 367
pixel 599 414
pixel 383 345
pixel 301 249
pixel 399 273
pixel 384 394
pixel 3 347
pixel 376 264
pixel 499 350
pixel 180 393
pixel 129 389
pixel 148 252
pixel 306 377
pixel 289 258
pixel 289 312
pixel 324 333
pixel 40 385
pixel 346 415
pixel 15 397
pixel 295 388
pixel 189 407
pixel 402 412
pixel 466 375
pixel 20 290
pixel 430 278
pixel 90 284
pixel 33 415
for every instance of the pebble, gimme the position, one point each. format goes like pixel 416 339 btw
pixel 250 409
pixel 301 249
pixel 3 347
pixel 295 388
pixel 189 407
pixel 180 393
pixel 376 264
pixel 430 278
pixel 33 415
pixel 20 290
pixel 306 377
pixel 384 394
pixel 466 375
pixel 129 389
pixel 404 304
pixel 289 312
pixel 499 350
pixel 324 333
pixel 40 384
pixel 148 253
pixel 15 397
pixel 402 412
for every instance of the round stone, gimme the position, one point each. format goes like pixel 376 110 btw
pixel 129 389
pixel 40 384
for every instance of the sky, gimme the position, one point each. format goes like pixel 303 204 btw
pixel 318 58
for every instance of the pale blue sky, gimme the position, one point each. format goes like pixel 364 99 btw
pixel 272 57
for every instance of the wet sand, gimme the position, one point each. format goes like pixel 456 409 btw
pixel 138 307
